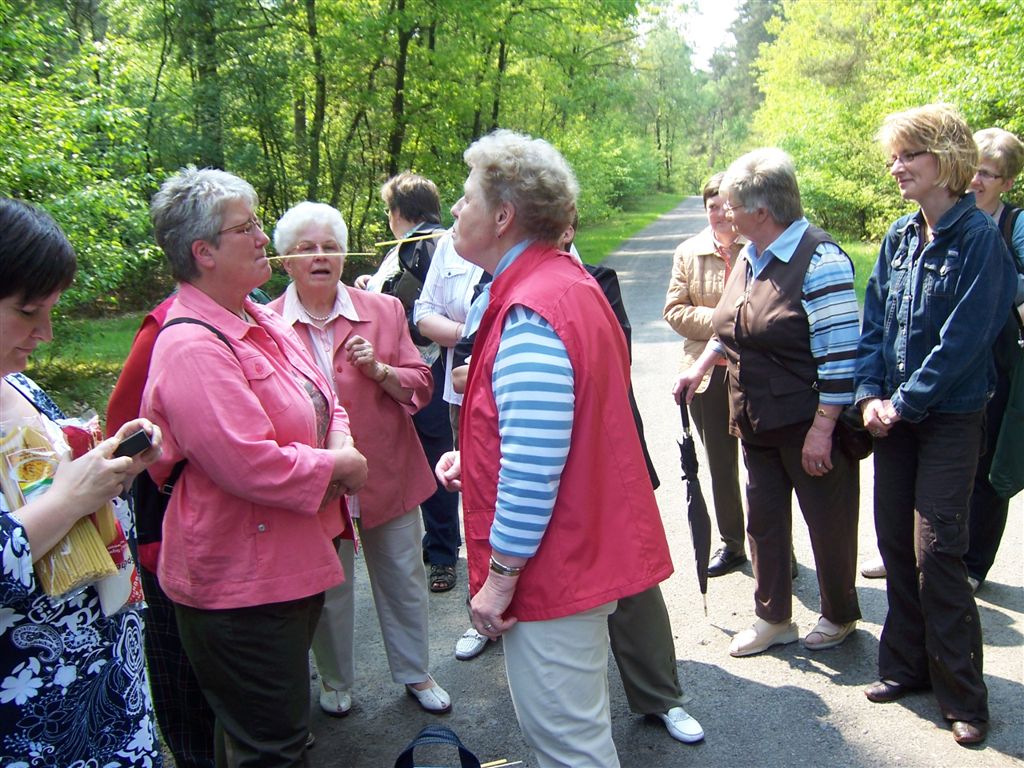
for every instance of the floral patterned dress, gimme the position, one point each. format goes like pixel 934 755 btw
pixel 73 686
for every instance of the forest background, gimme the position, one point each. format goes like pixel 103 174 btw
pixel 100 100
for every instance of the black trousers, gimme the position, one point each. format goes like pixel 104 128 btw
pixel 989 510
pixel 932 632
pixel 441 535
pixel 253 667
pixel 186 720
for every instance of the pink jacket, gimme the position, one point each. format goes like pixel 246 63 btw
pixel 399 475
pixel 244 525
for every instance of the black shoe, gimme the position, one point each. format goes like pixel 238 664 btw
pixel 725 561
pixel 794 570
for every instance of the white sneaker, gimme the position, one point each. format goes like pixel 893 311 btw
pixel 681 726
pixel 335 703
pixel 470 645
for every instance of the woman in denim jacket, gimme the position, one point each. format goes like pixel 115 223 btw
pixel 939 294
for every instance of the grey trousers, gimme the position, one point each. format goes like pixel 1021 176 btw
pixel 400 597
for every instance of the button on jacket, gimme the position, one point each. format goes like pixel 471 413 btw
pixel 932 312
pixel 244 525
pixel 698 280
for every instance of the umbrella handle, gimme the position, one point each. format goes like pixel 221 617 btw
pixel 685 416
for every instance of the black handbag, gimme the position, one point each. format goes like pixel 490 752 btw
pixel 854 439
pixel 437 734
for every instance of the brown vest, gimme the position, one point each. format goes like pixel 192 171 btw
pixel 765 332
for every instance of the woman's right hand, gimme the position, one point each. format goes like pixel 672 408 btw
pixel 449 471
pixel 349 468
pixel 90 481
pixel 879 416
pixel 687 383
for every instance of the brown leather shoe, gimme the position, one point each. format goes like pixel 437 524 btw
pixel 969 733
pixel 885 691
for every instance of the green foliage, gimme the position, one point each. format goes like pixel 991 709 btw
pixel 833 74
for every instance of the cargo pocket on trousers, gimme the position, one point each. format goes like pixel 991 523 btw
pixel 949 525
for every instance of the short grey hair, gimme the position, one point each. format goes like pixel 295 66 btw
pixel 529 174
pixel 190 206
pixel 765 178
pixel 291 225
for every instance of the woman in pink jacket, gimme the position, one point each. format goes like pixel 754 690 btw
pixel 247 548
pixel 360 341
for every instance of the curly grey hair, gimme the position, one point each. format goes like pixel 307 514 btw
pixel 529 174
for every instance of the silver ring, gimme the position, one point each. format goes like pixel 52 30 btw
pixel 488 626
pixel 819 465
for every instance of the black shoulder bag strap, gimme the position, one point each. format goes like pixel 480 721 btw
pixel 172 478
pixel 1007 221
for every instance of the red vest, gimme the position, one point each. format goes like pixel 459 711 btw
pixel 605 539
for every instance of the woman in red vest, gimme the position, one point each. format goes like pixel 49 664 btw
pixel 560 519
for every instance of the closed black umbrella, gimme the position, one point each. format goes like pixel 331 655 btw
pixel 696 508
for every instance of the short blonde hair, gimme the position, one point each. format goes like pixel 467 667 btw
pixel 1002 148
pixel 529 174
pixel 940 130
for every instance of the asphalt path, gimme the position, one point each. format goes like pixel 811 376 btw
pixel 786 707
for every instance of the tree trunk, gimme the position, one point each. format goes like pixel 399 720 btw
pixel 319 104
pixel 207 88
pixel 398 117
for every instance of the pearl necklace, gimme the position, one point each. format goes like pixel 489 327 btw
pixel 317 317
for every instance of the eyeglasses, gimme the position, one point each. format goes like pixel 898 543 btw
pixel 307 248
pixel 247 227
pixel 987 175
pixel 728 208
pixel 906 158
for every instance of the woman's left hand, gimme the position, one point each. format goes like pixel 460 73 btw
pixel 361 355
pixel 142 460
pixel 816 456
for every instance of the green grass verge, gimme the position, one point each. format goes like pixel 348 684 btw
pixel 595 242
pixel 80 368
pixel 864 256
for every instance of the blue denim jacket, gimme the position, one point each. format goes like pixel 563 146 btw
pixel 931 314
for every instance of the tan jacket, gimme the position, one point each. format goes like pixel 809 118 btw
pixel 698 279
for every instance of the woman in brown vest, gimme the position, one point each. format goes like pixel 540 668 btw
pixel 787 327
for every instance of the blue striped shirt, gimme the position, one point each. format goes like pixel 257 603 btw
pixel 831 306
pixel 533 386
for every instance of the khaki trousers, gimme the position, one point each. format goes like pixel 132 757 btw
pixel 558 677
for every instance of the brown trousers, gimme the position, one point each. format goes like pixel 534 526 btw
pixel 830 508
